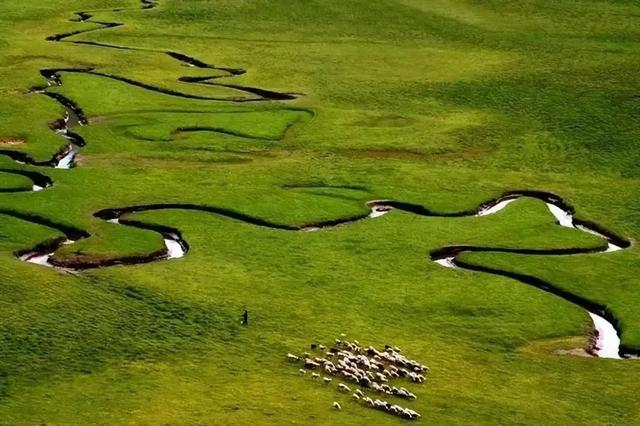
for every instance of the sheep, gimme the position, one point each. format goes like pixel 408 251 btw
pixel 356 396
pixel 359 392
pixel 349 376
pixel 310 364
pixel 372 351
pixel 314 345
pixel 315 375
pixel 337 406
pixel 327 379
pixel 293 358
pixel 322 347
pixel 365 382
pixel 344 387
pixel 413 413
pixel 301 371
pixel 402 394
pixel 379 404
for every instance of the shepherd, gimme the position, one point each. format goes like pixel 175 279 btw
pixel 245 318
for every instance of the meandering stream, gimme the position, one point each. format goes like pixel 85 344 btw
pixel 607 342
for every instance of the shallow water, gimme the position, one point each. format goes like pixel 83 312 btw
pixel 447 262
pixel 608 342
pixel 495 207
pixel 563 217
pixel 39 259
pixel 378 211
pixel 174 249
pixel 66 162
pixel 612 247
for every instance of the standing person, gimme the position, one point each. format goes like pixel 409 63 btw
pixel 245 318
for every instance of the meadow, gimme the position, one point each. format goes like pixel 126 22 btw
pixel 443 104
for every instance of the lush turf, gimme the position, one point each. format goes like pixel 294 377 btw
pixel 442 103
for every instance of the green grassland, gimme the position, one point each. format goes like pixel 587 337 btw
pixel 443 103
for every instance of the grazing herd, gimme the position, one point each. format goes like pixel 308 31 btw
pixel 364 369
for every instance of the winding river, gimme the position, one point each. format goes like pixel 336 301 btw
pixel 606 329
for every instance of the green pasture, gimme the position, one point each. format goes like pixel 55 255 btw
pixel 443 103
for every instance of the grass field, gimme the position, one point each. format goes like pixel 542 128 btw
pixel 440 103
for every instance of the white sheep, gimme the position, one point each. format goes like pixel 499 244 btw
pixel 310 364
pixel 337 406
pixel 327 379
pixel 414 413
pixel 344 387
pixel 292 357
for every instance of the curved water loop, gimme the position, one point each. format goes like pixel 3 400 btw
pixel 606 325
pixel 606 330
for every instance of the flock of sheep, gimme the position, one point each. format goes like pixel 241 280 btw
pixel 367 368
